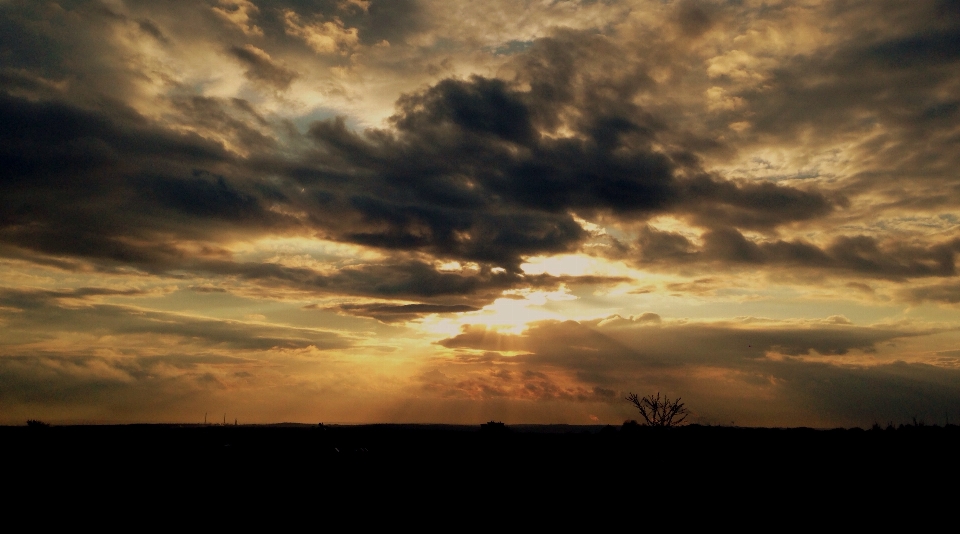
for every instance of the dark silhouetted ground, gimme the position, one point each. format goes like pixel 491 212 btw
pixel 614 468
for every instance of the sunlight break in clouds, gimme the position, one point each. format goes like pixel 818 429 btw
pixel 425 211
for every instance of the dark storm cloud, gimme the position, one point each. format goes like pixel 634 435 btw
pixel 695 18
pixel 105 184
pixel 47 141
pixel 402 279
pixel 764 205
pixel 261 68
pixel 895 81
pixel 23 309
pixel 22 45
pixel 860 255
pixel 390 313
pixel 417 279
pixel 887 86
pixel 410 195
pixel 931 47
pixel 481 169
pixel 469 174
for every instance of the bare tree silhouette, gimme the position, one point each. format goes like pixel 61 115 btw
pixel 659 412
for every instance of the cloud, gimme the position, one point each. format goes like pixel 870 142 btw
pixel 389 313
pixel 152 30
pixel 240 13
pixel 238 148
pixel 878 93
pixel 324 37
pixel 603 348
pixel 715 203
pixel 470 173
pixel 107 185
pixel 855 255
pixel 24 309
pixel 97 389
pixel 701 361
pixel 505 384
pixel 479 338
pixel 480 169
pixel 946 292
pixel 261 68
pixel 695 18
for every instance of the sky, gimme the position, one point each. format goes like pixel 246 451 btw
pixel 450 211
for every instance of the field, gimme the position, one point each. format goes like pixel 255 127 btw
pixel 194 451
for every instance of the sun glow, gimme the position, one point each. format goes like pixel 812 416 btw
pixel 509 315
pixel 575 265
pixel 297 249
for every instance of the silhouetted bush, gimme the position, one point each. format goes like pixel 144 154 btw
pixel 33 423
pixel 659 412
pixel 630 427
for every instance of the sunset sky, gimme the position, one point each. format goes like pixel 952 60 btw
pixel 451 211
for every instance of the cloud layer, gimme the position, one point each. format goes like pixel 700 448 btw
pixel 360 180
